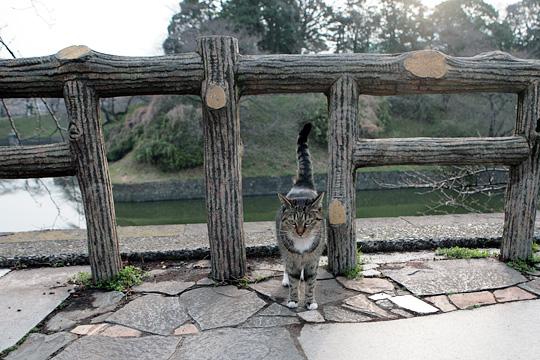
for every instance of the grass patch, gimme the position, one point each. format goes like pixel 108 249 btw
pixel 128 277
pixel 355 272
pixel 458 252
pixel 535 247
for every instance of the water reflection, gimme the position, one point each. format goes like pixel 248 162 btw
pixel 55 203
pixel 39 204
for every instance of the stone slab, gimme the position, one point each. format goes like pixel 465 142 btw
pixel 239 344
pixel 442 302
pixel 413 304
pixel 269 321
pixel 532 286
pixel 385 303
pixel 104 347
pixel 326 291
pixel 40 346
pixel 186 329
pixel 367 285
pixel 213 307
pixel 371 273
pixel 260 275
pixel 362 304
pixel 151 313
pixel 323 274
pixel 513 293
pixel 402 313
pixel 120 331
pixel 398 257
pixel 276 310
pixel 455 276
pixel 4 272
pixel 469 300
pixel 172 287
pixel 90 329
pixel 507 331
pixel 339 314
pixel 312 316
pixel 205 281
pixel 28 296
pixel 102 302
pixel 379 296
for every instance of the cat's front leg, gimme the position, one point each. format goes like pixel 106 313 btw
pixel 310 275
pixel 294 282
pixel 285 281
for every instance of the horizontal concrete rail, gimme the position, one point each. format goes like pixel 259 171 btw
pixel 416 72
pixel 108 75
pixel 510 150
pixel 20 162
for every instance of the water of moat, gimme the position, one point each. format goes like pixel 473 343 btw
pixel 38 204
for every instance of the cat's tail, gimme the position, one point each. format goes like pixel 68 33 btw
pixel 305 174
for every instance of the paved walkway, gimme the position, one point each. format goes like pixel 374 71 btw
pixel 190 241
pixel 406 306
pixel 503 332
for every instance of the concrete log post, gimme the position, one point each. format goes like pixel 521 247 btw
pixel 86 142
pixel 341 194
pixel 523 182
pixel 222 157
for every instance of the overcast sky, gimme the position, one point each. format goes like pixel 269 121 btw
pixel 119 27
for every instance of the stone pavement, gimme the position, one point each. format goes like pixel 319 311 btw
pixel 178 313
pixel 408 233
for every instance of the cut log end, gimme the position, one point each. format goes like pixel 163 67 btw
pixel 336 213
pixel 215 97
pixel 427 64
pixel 73 52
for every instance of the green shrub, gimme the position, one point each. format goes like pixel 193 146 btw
pixel 171 144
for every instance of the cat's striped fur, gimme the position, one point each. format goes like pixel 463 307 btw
pixel 300 228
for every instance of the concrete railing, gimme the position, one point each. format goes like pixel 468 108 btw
pixel 220 75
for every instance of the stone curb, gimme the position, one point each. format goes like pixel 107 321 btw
pixel 367 246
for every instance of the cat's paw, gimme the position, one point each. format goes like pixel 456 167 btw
pixel 312 306
pixel 285 281
pixel 292 304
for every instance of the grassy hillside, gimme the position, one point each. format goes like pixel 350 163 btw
pixel 159 127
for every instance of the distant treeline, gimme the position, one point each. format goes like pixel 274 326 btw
pixel 164 133
pixel 456 27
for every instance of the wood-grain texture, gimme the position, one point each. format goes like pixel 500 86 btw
pixel 384 74
pixel 511 150
pixel 22 162
pixel 523 182
pixel 377 74
pixel 222 160
pixel 86 141
pixel 341 193
pixel 108 75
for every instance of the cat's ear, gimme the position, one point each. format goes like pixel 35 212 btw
pixel 317 202
pixel 284 200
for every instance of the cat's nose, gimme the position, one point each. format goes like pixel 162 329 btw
pixel 300 230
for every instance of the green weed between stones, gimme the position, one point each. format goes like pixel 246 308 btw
pixel 5 352
pixel 128 277
pixel 355 272
pixel 457 252
pixel 528 265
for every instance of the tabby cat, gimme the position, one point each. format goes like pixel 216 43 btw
pixel 300 228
